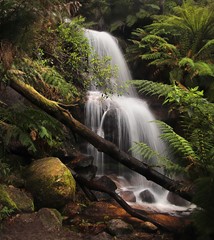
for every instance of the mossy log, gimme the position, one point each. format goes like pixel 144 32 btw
pixel 107 147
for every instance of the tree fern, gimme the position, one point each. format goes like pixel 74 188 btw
pixel 180 43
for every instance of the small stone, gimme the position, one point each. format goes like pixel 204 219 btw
pixel 117 227
pixel 149 227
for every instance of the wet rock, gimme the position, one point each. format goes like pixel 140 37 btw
pixel 72 209
pixel 16 199
pixel 177 200
pixel 103 211
pixel 88 173
pixel 147 196
pixel 50 182
pixel 81 161
pixel 107 183
pixel 45 224
pixel 82 164
pixel 118 227
pixel 128 196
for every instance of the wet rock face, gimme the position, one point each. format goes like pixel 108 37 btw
pixel 128 196
pixel 177 200
pixel 50 182
pixel 147 196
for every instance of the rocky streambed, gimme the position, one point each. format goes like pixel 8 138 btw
pixel 42 206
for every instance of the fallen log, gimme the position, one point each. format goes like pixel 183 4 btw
pixel 92 185
pixel 65 117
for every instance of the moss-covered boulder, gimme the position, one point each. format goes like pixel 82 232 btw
pixel 50 182
pixel 15 199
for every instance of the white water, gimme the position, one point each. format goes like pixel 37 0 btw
pixel 123 120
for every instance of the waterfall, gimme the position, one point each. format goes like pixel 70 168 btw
pixel 123 120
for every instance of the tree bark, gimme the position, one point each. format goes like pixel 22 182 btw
pixel 65 117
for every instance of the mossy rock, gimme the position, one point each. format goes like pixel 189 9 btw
pixel 16 199
pixel 50 182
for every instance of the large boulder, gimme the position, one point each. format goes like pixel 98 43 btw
pixel 50 182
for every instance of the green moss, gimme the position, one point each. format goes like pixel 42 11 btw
pixel 15 199
pixel 5 199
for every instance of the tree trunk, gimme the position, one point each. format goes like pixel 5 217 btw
pixel 64 116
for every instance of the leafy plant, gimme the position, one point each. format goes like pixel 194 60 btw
pixel 5 212
pixel 33 128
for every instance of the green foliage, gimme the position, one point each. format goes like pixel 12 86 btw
pixel 72 53
pixel 152 88
pixel 34 129
pixel 181 44
pixel 5 212
pixel 45 79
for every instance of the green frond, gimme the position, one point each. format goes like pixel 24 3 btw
pixel 150 156
pixel 186 62
pixel 28 126
pixel 45 79
pixel 152 88
pixel 206 52
pixel 116 25
pixel 144 150
pixel 204 69
pixel 178 144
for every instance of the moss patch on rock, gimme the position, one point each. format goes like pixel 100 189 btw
pixel 15 200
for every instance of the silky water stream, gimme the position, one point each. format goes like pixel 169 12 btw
pixel 124 120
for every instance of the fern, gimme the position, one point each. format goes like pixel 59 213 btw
pixel 149 155
pixel 30 126
pixel 180 43
pixel 178 144
pixel 152 88
pixel 46 80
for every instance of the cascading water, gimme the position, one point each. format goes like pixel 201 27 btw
pixel 121 119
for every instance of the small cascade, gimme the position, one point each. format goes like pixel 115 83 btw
pixel 122 120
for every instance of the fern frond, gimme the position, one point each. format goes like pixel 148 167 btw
pixel 152 88
pixel 207 51
pixel 144 150
pixel 150 156
pixel 178 144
